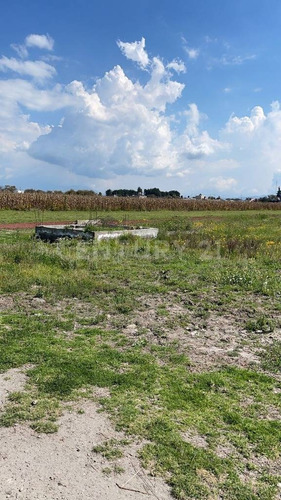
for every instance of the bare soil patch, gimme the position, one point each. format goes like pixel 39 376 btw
pixel 211 343
pixel 62 466
pixel 11 381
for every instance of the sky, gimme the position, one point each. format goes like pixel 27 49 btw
pixel 181 94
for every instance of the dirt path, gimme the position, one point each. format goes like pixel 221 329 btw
pixel 62 466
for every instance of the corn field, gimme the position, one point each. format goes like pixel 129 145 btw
pixel 52 201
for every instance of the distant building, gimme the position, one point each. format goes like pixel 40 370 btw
pixel 200 197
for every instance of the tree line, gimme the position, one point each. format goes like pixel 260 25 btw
pixel 150 193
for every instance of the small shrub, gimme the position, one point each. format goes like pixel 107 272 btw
pixel 260 325
pixel 110 449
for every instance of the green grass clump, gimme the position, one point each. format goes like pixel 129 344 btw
pixel 261 325
pixel 271 358
pixel 111 449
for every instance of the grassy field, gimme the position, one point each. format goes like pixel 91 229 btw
pixel 42 216
pixel 184 331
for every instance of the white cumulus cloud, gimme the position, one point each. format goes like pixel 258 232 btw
pixel 120 127
pixel 135 51
pixel 40 41
pixel 113 129
pixel 246 124
pixel 195 143
pixel 177 65
pixel 255 144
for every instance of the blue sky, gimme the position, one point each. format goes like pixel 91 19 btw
pixel 179 95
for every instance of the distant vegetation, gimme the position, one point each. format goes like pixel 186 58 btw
pixel 59 201
pixel 8 189
pixel 79 192
pixel 272 198
pixel 153 193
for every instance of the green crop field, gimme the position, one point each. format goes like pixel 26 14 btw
pixel 183 330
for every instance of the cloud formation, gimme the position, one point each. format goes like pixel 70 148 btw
pixel 16 92
pixel 254 143
pixel 135 51
pixel 177 65
pixel 223 184
pixel 190 51
pixel 39 70
pixel 120 127
pixel 42 42
pixel 39 41
pixel 123 129
pixel 229 60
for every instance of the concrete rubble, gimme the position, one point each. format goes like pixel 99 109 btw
pixel 80 229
